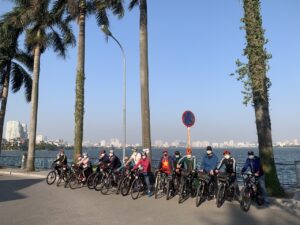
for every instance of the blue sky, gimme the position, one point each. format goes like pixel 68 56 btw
pixel 192 51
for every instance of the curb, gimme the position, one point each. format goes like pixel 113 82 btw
pixel 22 174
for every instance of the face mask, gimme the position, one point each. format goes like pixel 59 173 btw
pixel 111 154
pixel 189 156
pixel 85 156
pixel 209 152
pixel 165 155
pixel 251 156
pixel 143 157
pixel 177 156
pixel 227 156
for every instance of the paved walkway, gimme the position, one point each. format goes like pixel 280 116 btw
pixel 30 201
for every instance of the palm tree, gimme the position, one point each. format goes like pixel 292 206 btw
pixel 257 85
pixel 12 60
pixel 144 76
pixel 78 10
pixel 43 30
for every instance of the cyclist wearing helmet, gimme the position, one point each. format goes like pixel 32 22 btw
pixel 114 161
pixel 187 163
pixel 230 169
pixel 145 165
pixel 61 161
pixel 166 164
pixel 134 158
pixel 86 165
pixel 253 162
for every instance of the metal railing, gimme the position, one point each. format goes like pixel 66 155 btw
pixel 287 173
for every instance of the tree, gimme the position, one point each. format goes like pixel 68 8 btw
pixel 78 10
pixel 14 65
pixel 257 85
pixel 144 75
pixel 43 30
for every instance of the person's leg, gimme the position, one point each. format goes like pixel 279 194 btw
pixel 262 184
pixel 147 181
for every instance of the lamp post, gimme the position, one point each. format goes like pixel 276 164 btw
pixel 108 33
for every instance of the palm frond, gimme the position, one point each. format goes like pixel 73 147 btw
pixel 26 59
pixel 132 4
pixel 27 80
pixel 57 43
pixel 101 18
pixel 17 77
pixel 117 8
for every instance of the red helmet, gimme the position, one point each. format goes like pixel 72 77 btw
pixel 226 152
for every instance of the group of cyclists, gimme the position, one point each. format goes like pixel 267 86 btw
pixel 176 166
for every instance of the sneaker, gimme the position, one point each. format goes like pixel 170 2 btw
pixel 149 194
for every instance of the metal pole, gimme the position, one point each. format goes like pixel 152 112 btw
pixel 124 94
pixel 189 137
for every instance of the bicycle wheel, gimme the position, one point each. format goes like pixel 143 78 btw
pixel 199 195
pixel 220 195
pixel 168 189
pixel 125 186
pixel 90 181
pixel 58 181
pixel 246 199
pixel 51 177
pixel 157 186
pixel 105 184
pixel 182 192
pixel 73 182
pixel 136 188
pixel 97 182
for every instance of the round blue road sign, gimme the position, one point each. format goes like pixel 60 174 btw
pixel 188 118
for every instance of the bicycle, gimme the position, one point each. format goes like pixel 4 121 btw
pixel 188 186
pixel 160 184
pixel 251 190
pixel 205 189
pixel 60 172
pixel 138 185
pixel 126 182
pixel 225 190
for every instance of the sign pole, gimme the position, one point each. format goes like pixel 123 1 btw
pixel 188 137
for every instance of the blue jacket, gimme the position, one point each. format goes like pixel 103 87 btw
pixel 254 165
pixel 209 163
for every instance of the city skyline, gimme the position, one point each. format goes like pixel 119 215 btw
pixel 188 70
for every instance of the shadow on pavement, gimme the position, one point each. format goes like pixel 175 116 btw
pixel 9 188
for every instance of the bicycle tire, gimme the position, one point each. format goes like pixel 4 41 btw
pixel 199 195
pixel 246 199
pixel 136 188
pixel 51 177
pixel 220 195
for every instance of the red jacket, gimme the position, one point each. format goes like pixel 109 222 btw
pixel 145 163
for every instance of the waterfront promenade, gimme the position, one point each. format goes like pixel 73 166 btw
pixel 26 199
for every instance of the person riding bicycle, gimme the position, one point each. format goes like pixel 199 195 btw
pixel 253 162
pixel 230 169
pixel 61 161
pixel 187 164
pixel 86 166
pixel 209 165
pixel 103 159
pixel 166 163
pixel 124 166
pixel 114 161
pixel 134 158
pixel 145 165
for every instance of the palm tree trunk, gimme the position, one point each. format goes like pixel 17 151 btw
pixel 257 70
pixel 5 90
pixel 34 109
pixel 144 79
pixel 79 104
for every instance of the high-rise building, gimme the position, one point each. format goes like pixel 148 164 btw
pixel 25 131
pixel 14 130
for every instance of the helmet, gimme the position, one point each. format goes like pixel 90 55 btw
pixel 226 152
pixel 134 149
pixel 146 150
pixel 111 151
pixel 250 153
pixel 144 154
pixel 85 154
